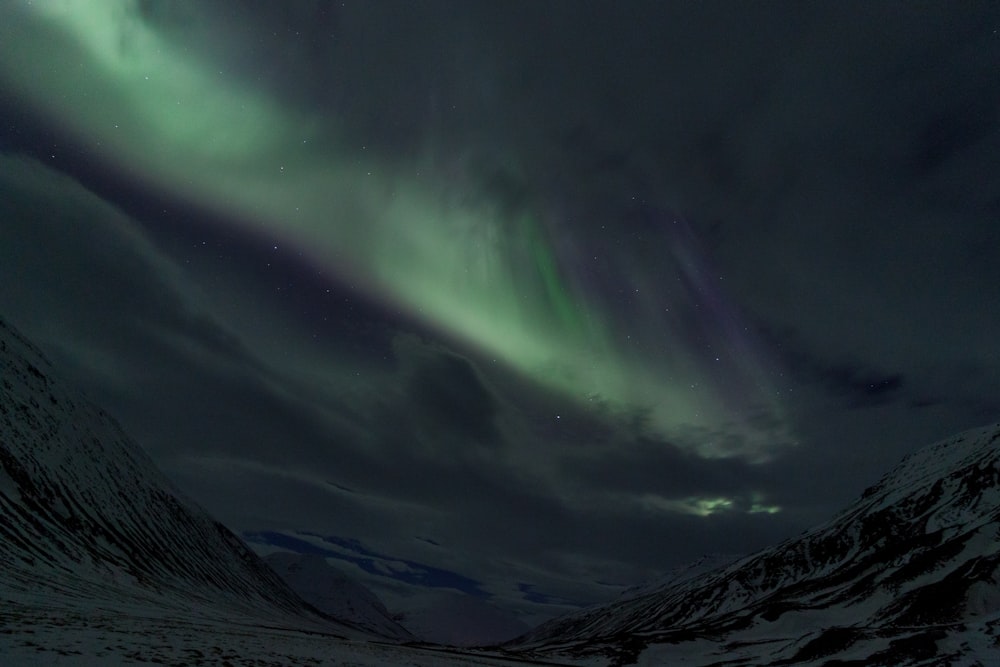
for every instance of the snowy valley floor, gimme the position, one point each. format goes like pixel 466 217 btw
pixel 36 635
pixel 32 634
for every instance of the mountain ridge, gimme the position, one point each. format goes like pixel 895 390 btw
pixel 89 517
pixel 920 548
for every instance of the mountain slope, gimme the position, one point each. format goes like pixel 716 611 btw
pixel 86 516
pixel 909 572
pixel 458 619
pixel 332 592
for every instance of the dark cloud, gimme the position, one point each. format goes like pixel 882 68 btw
pixel 446 390
pixel 963 386
pixel 643 465
pixel 857 385
pixel 947 135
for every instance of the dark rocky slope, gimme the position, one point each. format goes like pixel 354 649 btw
pixel 87 519
pixel 910 573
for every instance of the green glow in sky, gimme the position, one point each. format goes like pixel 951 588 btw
pixel 183 125
pixel 704 506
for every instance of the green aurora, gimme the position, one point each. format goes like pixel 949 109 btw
pixel 469 267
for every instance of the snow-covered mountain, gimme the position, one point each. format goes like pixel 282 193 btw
pixel 675 575
pixel 458 619
pixel 908 574
pixel 86 516
pixel 102 561
pixel 438 616
pixel 331 591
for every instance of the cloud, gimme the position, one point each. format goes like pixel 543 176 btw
pixel 105 286
pixel 447 392
pixel 946 136
pixel 641 464
pixel 855 384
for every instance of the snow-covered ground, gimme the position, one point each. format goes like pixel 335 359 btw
pixel 36 633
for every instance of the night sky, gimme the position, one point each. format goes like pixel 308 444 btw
pixel 535 300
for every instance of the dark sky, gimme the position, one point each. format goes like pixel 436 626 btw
pixel 531 299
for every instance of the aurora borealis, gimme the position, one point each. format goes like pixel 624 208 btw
pixel 545 296
pixel 490 277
